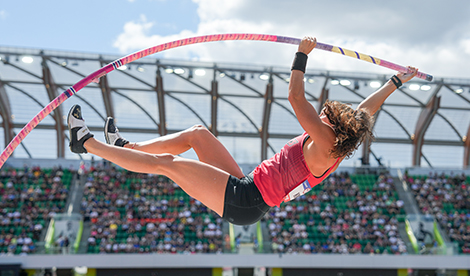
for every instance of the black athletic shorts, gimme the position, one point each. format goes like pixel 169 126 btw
pixel 244 204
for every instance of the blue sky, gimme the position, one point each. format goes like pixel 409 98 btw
pixel 87 26
pixel 434 37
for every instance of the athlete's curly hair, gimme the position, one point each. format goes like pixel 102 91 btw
pixel 351 126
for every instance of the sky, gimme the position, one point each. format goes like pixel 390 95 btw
pixel 432 35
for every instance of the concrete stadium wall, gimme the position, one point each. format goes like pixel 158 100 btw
pixel 241 261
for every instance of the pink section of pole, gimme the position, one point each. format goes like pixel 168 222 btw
pixel 149 51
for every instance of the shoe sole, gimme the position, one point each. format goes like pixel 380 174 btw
pixel 106 131
pixel 68 125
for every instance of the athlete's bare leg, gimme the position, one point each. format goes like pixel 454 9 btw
pixel 200 180
pixel 207 147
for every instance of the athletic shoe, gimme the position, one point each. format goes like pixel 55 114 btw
pixel 79 132
pixel 111 134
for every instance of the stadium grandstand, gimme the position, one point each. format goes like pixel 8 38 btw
pixel 400 207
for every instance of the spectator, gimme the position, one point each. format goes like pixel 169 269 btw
pixel 367 215
pixel 151 210
pixel 445 197
pixel 29 197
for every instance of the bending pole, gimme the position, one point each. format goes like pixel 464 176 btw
pixel 94 77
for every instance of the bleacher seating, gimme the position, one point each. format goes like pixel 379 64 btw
pixel 29 197
pixel 344 214
pixel 447 198
pixel 139 213
pixel 142 213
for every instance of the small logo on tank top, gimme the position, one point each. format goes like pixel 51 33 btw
pixel 292 142
pixel 301 189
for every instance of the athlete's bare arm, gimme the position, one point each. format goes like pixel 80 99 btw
pixel 376 99
pixel 308 117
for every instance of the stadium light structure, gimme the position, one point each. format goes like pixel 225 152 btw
pixel 425 87
pixel 254 90
pixel 458 90
pixel 345 82
pixel 414 87
pixel 27 59
pixel 264 76
pixel 200 72
pixel 179 71
pixel 375 84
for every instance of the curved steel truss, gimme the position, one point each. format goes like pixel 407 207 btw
pixel 231 100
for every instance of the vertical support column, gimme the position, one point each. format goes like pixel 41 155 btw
pixel 268 99
pixel 51 89
pixel 365 159
pixel 162 130
pixel 5 112
pixel 106 92
pixel 214 101
pixel 424 120
pixel 325 93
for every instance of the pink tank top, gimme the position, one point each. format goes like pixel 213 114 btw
pixel 286 175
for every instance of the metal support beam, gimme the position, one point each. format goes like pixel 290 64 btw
pixel 214 106
pixel 5 112
pixel 107 99
pixel 106 92
pixel 268 99
pixel 424 120
pixel 325 93
pixel 365 159
pixel 51 89
pixel 162 130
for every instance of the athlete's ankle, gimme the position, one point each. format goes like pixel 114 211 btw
pixel 130 145
pixel 88 142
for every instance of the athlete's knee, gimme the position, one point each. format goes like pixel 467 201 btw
pixel 199 132
pixel 198 128
pixel 162 161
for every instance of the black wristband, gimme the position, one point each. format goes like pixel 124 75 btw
pixel 396 81
pixel 300 62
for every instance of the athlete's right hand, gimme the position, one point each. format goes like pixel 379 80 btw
pixel 307 44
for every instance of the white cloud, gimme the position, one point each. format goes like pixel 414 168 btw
pixel 3 14
pixel 428 37
pixel 466 45
pixel 136 34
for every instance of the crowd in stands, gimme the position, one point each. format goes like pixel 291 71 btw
pixel 29 198
pixel 447 198
pixel 340 216
pixel 140 213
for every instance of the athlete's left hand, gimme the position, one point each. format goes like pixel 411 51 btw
pixel 404 77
